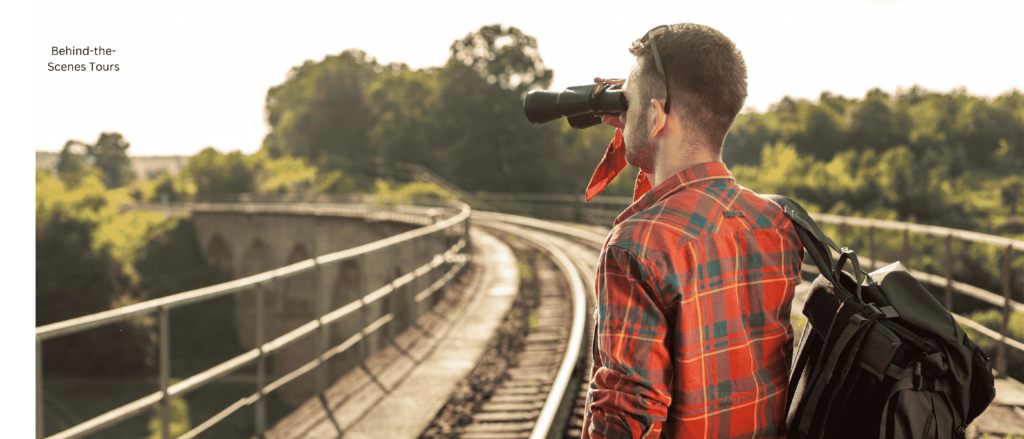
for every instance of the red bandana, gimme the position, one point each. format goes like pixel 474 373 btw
pixel 613 162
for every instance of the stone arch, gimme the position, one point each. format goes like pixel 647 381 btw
pixel 218 254
pixel 299 294
pixel 299 307
pixel 395 304
pixel 347 286
pixel 346 289
pixel 255 260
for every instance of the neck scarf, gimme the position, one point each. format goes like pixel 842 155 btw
pixel 611 165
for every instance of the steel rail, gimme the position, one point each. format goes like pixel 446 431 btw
pixel 540 224
pixel 542 427
pixel 118 314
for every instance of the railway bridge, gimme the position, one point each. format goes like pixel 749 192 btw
pixel 364 314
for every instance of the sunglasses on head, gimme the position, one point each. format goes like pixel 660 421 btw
pixel 657 59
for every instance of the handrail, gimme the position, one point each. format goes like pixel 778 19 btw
pixel 106 317
pixel 823 217
pixel 164 304
pixel 920 228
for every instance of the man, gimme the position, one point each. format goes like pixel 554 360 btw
pixel 696 279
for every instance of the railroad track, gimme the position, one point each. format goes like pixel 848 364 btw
pixel 546 391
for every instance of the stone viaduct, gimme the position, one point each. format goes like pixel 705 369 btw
pixel 250 239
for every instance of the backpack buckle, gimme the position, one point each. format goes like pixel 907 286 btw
pixel 872 311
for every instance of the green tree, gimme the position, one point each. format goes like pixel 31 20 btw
pixel 404 104
pixel 216 173
pixel 490 144
pixel 504 56
pixel 320 113
pixel 871 123
pixel 110 154
pixel 72 280
pixel 73 163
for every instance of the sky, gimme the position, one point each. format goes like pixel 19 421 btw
pixel 192 75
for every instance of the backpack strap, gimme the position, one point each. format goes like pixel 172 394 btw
pixel 816 243
pixel 798 215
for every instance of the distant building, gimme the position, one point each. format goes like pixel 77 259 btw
pixel 144 166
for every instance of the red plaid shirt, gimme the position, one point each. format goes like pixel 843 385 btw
pixel 692 335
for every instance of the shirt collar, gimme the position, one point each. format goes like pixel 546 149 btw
pixel 687 177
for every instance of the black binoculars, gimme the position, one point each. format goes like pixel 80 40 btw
pixel 582 105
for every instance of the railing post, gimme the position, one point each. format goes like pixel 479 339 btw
pixel 842 234
pixel 392 297
pixel 468 248
pixel 949 273
pixel 871 247
pixel 906 248
pixel 165 373
pixel 410 299
pixel 439 244
pixel 39 388
pixel 320 336
pixel 261 405
pixel 1004 329
pixel 363 273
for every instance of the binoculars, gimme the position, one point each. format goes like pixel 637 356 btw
pixel 582 105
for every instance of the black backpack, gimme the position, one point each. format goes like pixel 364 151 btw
pixel 879 356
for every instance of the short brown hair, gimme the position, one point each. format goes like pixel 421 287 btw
pixel 706 74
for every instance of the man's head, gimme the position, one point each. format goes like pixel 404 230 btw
pixel 707 80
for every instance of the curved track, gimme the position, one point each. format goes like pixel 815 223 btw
pixel 555 365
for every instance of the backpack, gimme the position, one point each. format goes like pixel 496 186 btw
pixel 879 356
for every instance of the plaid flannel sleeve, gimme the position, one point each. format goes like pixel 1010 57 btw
pixel 630 386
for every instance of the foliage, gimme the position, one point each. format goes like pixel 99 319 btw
pixel 176 187
pixel 504 56
pixel 213 172
pixel 111 153
pixel 897 183
pixel 284 174
pixel 320 113
pixel 392 193
pixel 335 182
pixel 216 173
pixel 962 131
pixel 179 424
pixel 85 254
pixel 107 157
pixel 74 278
pixel 462 120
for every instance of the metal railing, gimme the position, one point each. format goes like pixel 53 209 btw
pixel 602 210
pixel 455 226
pixel 1006 303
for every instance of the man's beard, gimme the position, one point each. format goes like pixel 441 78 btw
pixel 639 145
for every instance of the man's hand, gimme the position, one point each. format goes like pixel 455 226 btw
pixel 609 119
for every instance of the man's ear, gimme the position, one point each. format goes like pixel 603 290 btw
pixel 660 118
